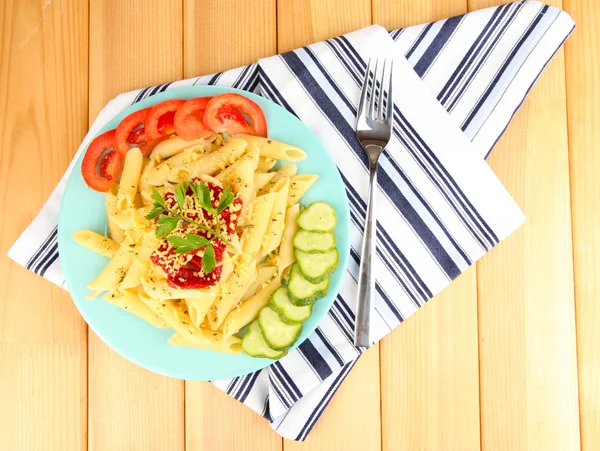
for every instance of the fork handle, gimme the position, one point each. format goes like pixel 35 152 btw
pixel 366 280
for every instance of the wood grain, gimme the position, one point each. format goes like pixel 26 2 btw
pixel 429 366
pixel 528 368
pixel 303 22
pixel 244 36
pixel 350 422
pixel 226 34
pixel 43 116
pixel 583 107
pixel 131 408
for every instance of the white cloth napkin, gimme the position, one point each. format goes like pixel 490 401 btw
pixel 457 82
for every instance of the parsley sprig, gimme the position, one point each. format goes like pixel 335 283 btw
pixel 168 220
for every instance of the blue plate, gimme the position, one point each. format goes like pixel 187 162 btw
pixel 134 339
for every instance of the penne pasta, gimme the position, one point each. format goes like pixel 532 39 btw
pixel 276 224
pixel 263 274
pixel 160 290
pixel 209 164
pixel 128 186
pixel 262 178
pixel 233 290
pixel 217 343
pixel 198 308
pixel 275 149
pixel 286 249
pixel 265 164
pixel 256 228
pixel 110 197
pixel 249 309
pixel 174 145
pixel 96 242
pixel 133 304
pixel 299 184
pixel 115 270
pixel 287 171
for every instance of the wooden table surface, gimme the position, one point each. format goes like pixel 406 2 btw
pixel 507 358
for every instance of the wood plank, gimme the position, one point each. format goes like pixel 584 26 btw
pixel 582 55
pixel 307 21
pixel 131 408
pixel 349 422
pixel 528 368
pixel 429 375
pixel 244 36
pixel 429 400
pixel 217 40
pixel 394 14
pixel 43 116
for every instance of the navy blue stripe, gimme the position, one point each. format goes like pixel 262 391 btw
pixel 232 385
pixel 384 296
pixel 266 413
pixel 164 87
pixel 293 388
pixel 339 323
pixel 241 77
pixel 316 414
pixel 40 263
pixel 355 199
pixel 344 307
pixel 353 55
pixel 438 43
pixel 153 90
pixel 277 97
pixel 426 205
pixel 249 386
pixel 253 78
pixel 42 248
pixel 329 346
pixel 50 261
pixel 330 80
pixel 274 385
pixel 529 89
pixel 505 66
pixel 362 66
pixel 349 69
pixel 471 55
pixel 360 225
pixel 214 78
pixel 483 59
pixel 347 132
pixel 419 40
pixel 315 359
pixel 242 385
pixel 140 95
pixel 442 172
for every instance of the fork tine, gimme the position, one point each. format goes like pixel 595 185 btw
pixel 381 93
pixel 390 99
pixel 373 90
pixel 363 94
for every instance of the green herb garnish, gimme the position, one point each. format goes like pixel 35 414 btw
pixel 168 220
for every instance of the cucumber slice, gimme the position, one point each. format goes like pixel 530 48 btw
pixel 254 344
pixel 301 291
pixel 288 312
pixel 316 267
pixel 314 241
pixel 317 217
pixel 278 335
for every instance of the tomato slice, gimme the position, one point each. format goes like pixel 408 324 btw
pixel 188 119
pixel 227 113
pixel 159 121
pixel 111 164
pixel 128 132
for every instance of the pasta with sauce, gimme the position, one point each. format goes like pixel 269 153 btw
pixel 230 218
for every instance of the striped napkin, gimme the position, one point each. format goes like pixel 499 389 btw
pixel 458 82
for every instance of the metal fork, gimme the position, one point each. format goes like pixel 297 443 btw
pixel 373 129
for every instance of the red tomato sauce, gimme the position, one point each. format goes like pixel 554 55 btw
pixel 191 275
